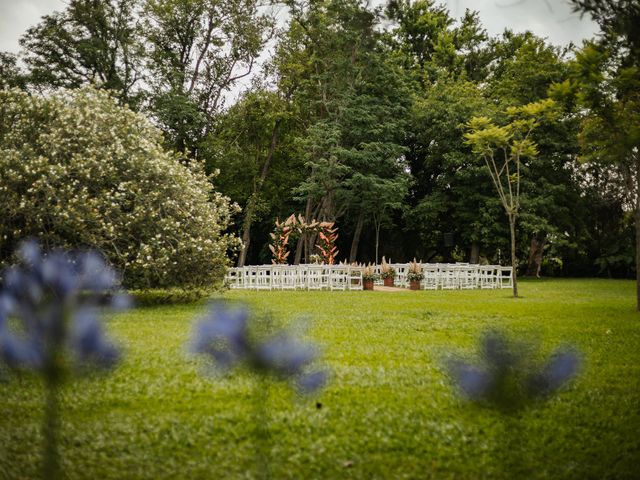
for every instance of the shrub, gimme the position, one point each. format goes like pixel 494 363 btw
pixel 78 170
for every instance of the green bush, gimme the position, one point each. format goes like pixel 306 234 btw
pixel 170 296
pixel 78 170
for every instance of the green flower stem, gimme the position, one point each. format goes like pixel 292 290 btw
pixel 261 427
pixel 51 425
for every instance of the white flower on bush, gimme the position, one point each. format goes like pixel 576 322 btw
pixel 78 170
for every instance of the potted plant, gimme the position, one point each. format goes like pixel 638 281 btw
pixel 388 273
pixel 414 275
pixel 369 276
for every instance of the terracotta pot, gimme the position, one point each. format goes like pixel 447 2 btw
pixel 388 282
pixel 414 284
pixel 367 284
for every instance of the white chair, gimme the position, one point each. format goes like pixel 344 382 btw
pixel 448 277
pixel 401 274
pixel 431 280
pixel 263 278
pixel 316 278
pixel 338 277
pixel 355 278
pixel 505 277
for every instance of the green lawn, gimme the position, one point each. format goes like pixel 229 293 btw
pixel 389 411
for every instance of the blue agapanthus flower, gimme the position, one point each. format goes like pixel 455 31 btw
pixel 225 336
pixel 509 375
pixel 50 308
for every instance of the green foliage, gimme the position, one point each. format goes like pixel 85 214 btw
pixel 77 170
pixel 389 411
pixel 604 89
pixel 176 59
pixel 197 52
pixel 358 117
pixel 357 102
pixel 169 296
pixel 88 43
pixel 449 186
pixel 11 75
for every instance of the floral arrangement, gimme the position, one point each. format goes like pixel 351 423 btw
pixel 295 227
pixel 414 272
pixel 280 238
pixel 369 273
pixel 327 246
pixel 386 270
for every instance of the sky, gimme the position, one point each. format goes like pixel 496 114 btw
pixel 552 19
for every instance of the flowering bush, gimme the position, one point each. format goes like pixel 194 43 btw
pixel 77 170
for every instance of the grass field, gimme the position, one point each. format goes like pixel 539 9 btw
pixel 388 412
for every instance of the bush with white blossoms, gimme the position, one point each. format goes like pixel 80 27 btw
pixel 79 170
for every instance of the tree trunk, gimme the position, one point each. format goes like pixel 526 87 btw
pixel 302 241
pixel 353 254
pixel 246 233
pixel 512 227
pixel 474 255
pixel 378 224
pixel 299 247
pixel 251 204
pixel 311 243
pixel 538 242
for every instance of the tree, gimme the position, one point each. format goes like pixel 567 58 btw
pixel 11 75
pixel 451 191
pixel 503 148
pixel 354 103
pixel 605 85
pixel 91 42
pixel 525 67
pixel 198 51
pixel 251 147
pixel 428 41
pixel 175 59
pixel 77 170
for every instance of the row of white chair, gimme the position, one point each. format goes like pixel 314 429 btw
pixel 437 276
pixel 296 277
pixel 453 276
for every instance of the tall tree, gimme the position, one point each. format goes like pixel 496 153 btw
pixel 503 149
pixel 251 147
pixel 355 104
pixel 524 68
pixel 451 192
pixel 90 42
pixel 199 51
pixel 605 85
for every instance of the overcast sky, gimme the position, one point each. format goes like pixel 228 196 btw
pixel 552 19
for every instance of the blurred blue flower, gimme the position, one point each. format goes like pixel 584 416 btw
pixel 508 375
pixel 225 335
pixel 558 370
pixel 51 304
pixel 473 382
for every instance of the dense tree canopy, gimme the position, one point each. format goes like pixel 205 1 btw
pixel 357 116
